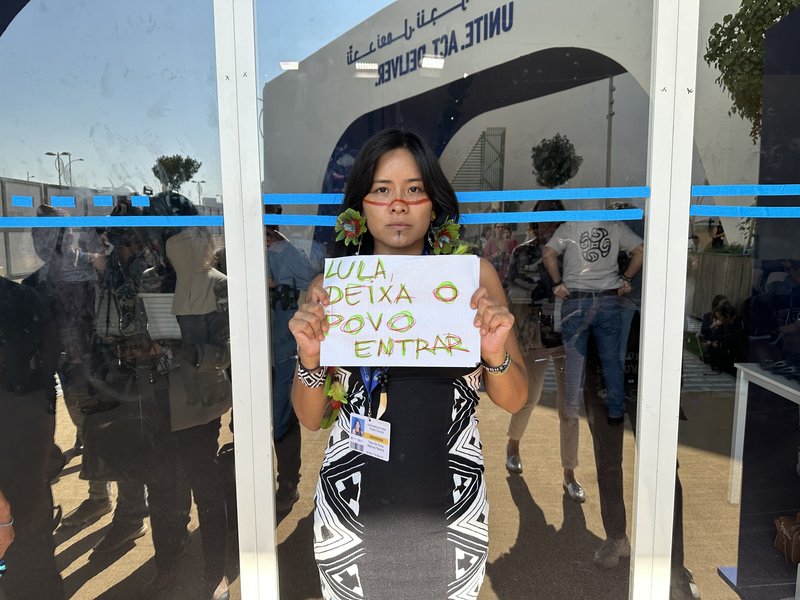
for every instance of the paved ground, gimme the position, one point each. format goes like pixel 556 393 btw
pixel 541 542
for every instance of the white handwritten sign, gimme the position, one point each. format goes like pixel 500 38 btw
pixel 401 311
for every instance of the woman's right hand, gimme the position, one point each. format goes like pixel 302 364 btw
pixel 309 324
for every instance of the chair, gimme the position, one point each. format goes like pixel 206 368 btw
pixel 692 329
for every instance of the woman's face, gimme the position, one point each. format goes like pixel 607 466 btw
pixel 397 208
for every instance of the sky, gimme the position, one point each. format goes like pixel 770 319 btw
pixel 118 84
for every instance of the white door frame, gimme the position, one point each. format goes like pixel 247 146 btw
pixel 674 59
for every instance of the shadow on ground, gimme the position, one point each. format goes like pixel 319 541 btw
pixel 546 562
pixel 298 570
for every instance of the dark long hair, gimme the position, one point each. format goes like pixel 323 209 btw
pixel 359 183
pixel 547 205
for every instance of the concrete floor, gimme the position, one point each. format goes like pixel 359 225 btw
pixel 541 543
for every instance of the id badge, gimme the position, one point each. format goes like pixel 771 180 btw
pixel 370 436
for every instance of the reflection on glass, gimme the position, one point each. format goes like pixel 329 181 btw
pixel 115 330
pixel 291 270
pixel 529 288
pixel 520 99
pixel 739 402
pixel 129 327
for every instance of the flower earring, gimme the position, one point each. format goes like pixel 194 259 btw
pixel 351 226
pixel 444 239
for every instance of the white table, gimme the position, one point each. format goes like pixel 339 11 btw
pixel 747 373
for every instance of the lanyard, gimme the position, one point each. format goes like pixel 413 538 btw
pixel 372 379
pixel 379 377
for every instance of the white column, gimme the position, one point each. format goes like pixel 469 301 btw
pixel 672 85
pixel 244 240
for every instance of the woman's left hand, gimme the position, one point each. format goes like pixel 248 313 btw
pixel 495 322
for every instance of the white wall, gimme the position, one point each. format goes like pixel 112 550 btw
pixel 306 111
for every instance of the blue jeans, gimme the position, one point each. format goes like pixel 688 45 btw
pixel 598 315
pixel 627 309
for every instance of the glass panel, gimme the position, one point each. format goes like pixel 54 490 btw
pixel 521 102
pixel 738 440
pixel 115 437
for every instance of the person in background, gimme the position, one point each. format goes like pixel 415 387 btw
pixel 27 428
pixel 542 345
pixel 192 392
pixel 290 273
pixel 591 289
pixel 710 322
pixel 499 248
pixel 67 280
pixel 727 341
pixel 717 234
pixel 607 442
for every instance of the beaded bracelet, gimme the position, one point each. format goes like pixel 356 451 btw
pixel 500 369
pixel 310 379
pixel 9 524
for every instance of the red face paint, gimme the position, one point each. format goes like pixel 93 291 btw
pixel 406 202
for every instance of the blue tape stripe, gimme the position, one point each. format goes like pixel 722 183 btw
pixel 62 201
pixel 58 222
pixel 490 196
pixel 555 194
pixel 633 214
pixel 628 214
pixel 762 212
pixel 103 201
pixel 23 201
pixel 316 220
pixel 746 190
pixel 273 199
pixel 140 200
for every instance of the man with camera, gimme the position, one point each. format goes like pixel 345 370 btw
pixel 290 272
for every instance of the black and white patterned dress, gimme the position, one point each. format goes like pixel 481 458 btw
pixel 417 525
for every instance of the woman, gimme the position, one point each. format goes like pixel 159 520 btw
pixel 543 344
pixel 498 249
pixel 416 525
pixel 192 390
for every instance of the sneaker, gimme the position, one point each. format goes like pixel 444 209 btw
pixel 118 536
pixel 514 464
pixel 610 551
pixel 285 497
pixel 575 491
pixel 88 511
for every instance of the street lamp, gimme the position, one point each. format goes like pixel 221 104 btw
pixel 68 167
pixel 59 162
pixel 199 191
